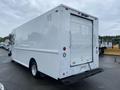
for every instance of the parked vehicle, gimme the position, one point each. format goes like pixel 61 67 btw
pixel 1 45
pixel 62 43
pixel 104 45
pixel 5 45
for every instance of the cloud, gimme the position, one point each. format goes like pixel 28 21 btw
pixel 16 12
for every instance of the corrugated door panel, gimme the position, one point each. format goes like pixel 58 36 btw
pixel 81 40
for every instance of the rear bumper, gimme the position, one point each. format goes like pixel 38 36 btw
pixel 75 78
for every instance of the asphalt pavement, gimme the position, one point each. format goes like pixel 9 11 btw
pixel 16 77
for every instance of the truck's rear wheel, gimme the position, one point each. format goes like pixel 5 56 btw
pixel 33 69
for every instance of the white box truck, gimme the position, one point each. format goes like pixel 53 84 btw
pixel 62 43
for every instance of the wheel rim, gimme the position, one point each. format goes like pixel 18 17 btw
pixel 34 70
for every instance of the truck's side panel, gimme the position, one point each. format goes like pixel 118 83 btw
pixel 39 39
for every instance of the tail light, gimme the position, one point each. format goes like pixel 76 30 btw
pixel 64 48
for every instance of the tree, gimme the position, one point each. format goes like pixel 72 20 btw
pixel 4 38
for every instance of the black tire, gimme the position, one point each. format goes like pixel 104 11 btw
pixel 34 69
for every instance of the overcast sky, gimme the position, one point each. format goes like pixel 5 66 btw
pixel 16 12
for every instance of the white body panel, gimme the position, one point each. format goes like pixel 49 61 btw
pixel 44 37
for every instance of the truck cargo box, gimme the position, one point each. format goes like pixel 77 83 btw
pixel 61 43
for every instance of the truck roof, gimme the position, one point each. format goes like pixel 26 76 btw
pixel 65 6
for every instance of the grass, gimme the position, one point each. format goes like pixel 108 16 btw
pixel 112 51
